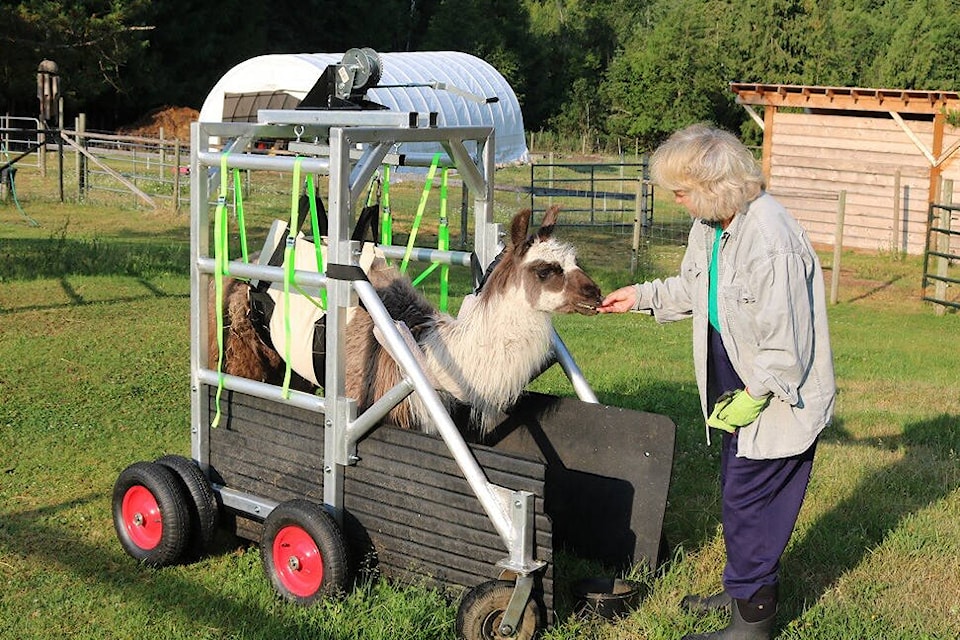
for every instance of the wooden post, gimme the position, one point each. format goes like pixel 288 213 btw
pixel 895 241
pixel 60 148
pixel 550 181
pixel 80 160
pixel 837 247
pixel 42 149
pixel 637 228
pixel 163 153
pixel 939 119
pixel 943 244
pixel 4 145
pixel 176 176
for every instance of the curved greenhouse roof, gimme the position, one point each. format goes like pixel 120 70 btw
pixel 283 80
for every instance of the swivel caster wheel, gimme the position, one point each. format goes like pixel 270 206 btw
pixel 480 616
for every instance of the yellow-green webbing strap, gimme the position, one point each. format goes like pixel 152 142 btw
pixel 238 205
pixel 386 221
pixel 289 257
pixel 221 251
pixel 443 244
pixel 317 239
pixel 420 209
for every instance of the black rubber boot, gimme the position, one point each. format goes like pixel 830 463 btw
pixel 749 619
pixel 705 604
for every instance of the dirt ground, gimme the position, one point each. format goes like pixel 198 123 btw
pixel 175 122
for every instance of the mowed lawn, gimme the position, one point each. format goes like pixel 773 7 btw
pixel 94 375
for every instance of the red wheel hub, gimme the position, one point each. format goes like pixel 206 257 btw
pixel 141 517
pixel 297 561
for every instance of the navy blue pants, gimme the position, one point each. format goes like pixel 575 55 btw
pixel 761 498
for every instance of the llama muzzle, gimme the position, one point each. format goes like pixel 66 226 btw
pixel 589 296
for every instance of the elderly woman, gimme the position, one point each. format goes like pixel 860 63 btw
pixel 752 283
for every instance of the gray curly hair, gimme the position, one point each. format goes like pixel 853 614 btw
pixel 712 167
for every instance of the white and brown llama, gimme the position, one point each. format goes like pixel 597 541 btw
pixel 482 358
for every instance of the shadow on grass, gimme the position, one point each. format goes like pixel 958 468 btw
pixel 59 256
pixel 35 534
pixel 876 289
pixel 76 299
pixel 841 538
pixel 693 508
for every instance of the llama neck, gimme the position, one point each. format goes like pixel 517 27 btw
pixel 487 357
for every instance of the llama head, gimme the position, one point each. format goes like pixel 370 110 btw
pixel 543 270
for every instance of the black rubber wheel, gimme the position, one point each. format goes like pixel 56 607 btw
pixel 304 553
pixel 205 515
pixel 482 609
pixel 150 514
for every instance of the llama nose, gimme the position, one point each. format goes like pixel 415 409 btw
pixel 593 292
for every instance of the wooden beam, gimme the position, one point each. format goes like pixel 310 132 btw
pixel 754 116
pixel 846 98
pixel 938 122
pixel 767 160
pixel 929 155
pixel 129 185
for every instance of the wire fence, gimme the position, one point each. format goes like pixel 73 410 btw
pixel 141 170
pixel 615 200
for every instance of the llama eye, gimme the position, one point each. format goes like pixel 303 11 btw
pixel 545 272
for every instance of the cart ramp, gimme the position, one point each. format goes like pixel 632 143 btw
pixel 607 478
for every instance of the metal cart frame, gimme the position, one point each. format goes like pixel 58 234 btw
pixel 376 133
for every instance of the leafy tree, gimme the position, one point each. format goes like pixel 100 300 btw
pixel 670 75
pixel 604 68
pixel 575 40
pixel 494 30
pixel 94 43
pixel 924 48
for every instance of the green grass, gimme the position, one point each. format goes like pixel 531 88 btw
pixel 94 375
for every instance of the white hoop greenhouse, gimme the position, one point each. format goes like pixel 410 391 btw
pixel 283 80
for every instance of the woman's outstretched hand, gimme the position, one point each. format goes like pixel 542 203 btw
pixel 619 301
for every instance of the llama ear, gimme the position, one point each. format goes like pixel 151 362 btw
pixel 549 220
pixel 518 229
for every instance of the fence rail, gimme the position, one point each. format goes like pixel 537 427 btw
pixel 147 170
pixel 593 194
pixel 20 135
pixel 140 166
pixel 940 243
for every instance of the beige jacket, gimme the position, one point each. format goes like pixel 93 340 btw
pixel 773 317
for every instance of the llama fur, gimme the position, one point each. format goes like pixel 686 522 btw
pixel 482 358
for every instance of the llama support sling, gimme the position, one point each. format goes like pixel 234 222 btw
pixel 294 318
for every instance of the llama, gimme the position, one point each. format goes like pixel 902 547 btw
pixel 483 358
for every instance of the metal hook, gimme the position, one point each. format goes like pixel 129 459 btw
pixel 298 130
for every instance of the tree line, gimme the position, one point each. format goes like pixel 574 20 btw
pixel 606 69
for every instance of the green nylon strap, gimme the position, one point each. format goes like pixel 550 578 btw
pixel 317 240
pixel 238 204
pixel 288 269
pixel 386 222
pixel 423 274
pixel 443 242
pixel 420 209
pixel 220 254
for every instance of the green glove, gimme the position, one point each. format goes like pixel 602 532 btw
pixel 736 409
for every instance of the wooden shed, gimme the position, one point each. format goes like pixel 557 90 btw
pixel 883 153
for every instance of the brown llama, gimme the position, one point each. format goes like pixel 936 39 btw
pixel 483 358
